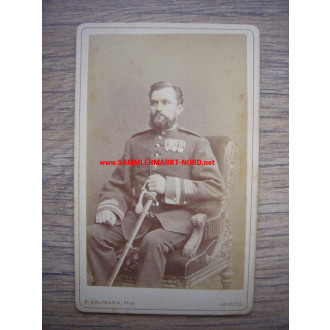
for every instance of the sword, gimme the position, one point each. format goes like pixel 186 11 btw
pixel 151 198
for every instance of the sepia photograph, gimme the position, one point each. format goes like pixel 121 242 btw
pixel 166 168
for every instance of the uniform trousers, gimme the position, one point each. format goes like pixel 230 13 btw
pixel 103 240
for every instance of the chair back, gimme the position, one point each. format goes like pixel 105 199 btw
pixel 218 146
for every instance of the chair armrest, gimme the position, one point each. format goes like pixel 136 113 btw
pixel 191 247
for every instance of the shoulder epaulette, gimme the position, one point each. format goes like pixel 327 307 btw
pixel 188 131
pixel 143 132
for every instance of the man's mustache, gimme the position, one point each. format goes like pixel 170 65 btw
pixel 159 114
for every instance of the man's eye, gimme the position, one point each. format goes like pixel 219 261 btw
pixel 153 103
pixel 165 102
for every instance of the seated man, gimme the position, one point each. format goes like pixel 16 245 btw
pixel 181 190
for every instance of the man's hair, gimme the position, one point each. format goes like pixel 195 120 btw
pixel 162 84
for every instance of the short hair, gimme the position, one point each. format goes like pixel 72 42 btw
pixel 162 84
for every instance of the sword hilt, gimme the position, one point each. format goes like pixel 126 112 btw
pixel 151 195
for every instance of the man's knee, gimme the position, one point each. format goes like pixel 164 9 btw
pixel 151 242
pixel 93 233
pixel 97 235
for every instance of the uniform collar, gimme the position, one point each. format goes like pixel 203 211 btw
pixel 175 128
pixel 170 130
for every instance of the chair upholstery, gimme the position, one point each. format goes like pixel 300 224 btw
pixel 218 146
pixel 208 250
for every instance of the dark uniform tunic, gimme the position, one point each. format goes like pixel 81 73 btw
pixel 189 189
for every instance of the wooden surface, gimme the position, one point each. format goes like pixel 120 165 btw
pixel 60 21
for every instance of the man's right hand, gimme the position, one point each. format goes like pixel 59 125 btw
pixel 106 217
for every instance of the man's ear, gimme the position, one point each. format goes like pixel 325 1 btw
pixel 180 109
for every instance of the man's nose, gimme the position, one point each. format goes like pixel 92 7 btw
pixel 159 107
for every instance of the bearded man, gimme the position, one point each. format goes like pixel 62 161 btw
pixel 181 191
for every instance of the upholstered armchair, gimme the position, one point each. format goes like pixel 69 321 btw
pixel 208 251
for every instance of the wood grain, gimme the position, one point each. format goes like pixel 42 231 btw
pixel 60 21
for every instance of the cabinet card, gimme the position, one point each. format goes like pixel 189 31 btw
pixel 166 137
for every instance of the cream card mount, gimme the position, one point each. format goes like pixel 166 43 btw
pixel 216 67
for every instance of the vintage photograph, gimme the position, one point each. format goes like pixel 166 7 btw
pixel 166 159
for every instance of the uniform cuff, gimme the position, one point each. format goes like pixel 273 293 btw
pixel 172 190
pixel 179 191
pixel 111 205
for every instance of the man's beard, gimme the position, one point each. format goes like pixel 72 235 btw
pixel 161 122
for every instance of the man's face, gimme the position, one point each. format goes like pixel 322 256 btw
pixel 164 109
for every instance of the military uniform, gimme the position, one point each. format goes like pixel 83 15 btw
pixel 188 189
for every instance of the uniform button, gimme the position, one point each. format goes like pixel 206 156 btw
pixel 156 154
pixel 185 202
pixel 157 145
pixel 159 137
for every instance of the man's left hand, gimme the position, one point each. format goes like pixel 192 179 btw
pixel 157 183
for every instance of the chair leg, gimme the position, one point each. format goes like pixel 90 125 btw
pixel 226 278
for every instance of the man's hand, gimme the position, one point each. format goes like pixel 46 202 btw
pixel 106 217
pixel 157 183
